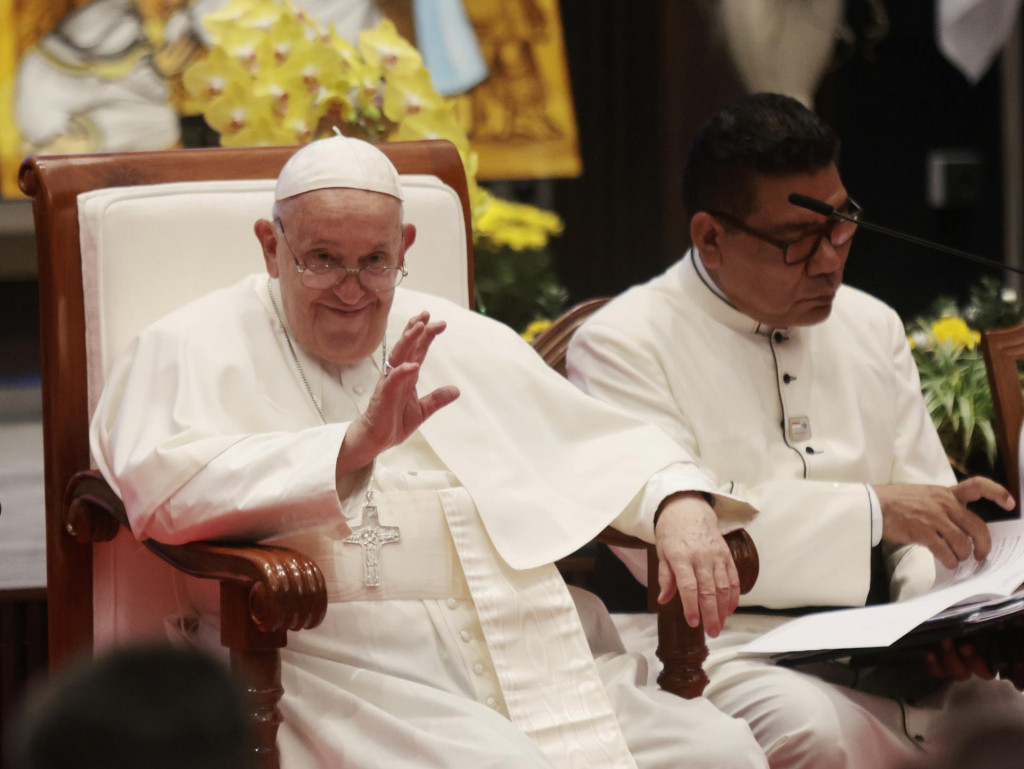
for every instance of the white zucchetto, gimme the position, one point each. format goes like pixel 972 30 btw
pixel 338 161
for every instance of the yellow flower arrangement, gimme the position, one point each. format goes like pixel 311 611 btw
pixel 518 226
pixel 535 329
pixel 955 386
pixel 273 75
pixel 955 332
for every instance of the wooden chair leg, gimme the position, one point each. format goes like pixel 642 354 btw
pixel 682 649
pixel 256 659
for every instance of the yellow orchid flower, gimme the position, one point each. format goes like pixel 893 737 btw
pixel 239 14
pixel 313 67
pixel 409 94
pixel 287 39
pixel 954 331
pixel 277 87
pixel 301 118
pixel 384 48
pixel 335 107
pixel 209 78
pixel 250 46
pixel 349 53
pixel 235 111
pixel 262 130
pixel 436 124
pixel 367 89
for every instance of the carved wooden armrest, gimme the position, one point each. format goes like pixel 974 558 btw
pixel 265 591
pixel 682 649
pixel 286 589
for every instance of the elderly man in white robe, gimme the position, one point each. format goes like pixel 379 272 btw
pixel 287 408
pixel 800 394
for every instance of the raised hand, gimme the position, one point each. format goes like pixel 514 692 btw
pixel 694 558
pixel 395 410
pixel 937 517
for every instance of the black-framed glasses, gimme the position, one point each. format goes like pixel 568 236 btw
pixel 798 250
pixel 321 270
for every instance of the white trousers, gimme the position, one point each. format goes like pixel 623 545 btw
pixel 410 687
pixel 804 720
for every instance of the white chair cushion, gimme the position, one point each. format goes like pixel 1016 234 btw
pixel 149 249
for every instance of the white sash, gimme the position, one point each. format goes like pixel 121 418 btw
pixel 529 622
pixel 546 670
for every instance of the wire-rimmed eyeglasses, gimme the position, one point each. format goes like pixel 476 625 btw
pixel 324 271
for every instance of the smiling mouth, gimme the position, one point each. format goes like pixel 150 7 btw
pixel 822 298
pixel 347 310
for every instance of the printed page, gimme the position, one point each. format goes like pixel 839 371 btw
pixel 999 575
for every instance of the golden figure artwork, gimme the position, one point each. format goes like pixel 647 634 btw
pixel 520 119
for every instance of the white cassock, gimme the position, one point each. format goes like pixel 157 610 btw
pixel 471 652
pixel 801 422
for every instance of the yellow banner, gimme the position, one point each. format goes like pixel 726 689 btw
pixel 521 119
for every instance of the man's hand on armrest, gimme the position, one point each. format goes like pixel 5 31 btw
pixel 695 559
pixel 937 517
pixel 395 410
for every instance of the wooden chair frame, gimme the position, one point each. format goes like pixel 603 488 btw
pixel 1003 350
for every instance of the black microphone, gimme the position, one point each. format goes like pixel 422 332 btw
pixel 823 208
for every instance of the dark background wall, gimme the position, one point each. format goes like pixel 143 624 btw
pixel 646 75
pixel 892 110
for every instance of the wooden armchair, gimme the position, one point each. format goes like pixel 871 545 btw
pixel 88 260
pixel 681 648
pixel 1004 350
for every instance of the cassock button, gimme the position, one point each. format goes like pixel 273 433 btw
pixel 453 604
pixel 465 636
pixel 359 389
pixel 478 668
pixel 492 703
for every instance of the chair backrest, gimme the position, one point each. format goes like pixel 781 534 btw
pixel 552 343
pixel 1004 351
pixel 122 239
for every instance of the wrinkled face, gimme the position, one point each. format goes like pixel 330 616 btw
pixel 751 272
pixel 354 228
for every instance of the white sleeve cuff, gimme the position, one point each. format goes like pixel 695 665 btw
pixel 876 516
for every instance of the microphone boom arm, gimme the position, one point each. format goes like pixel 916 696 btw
pixel 823 208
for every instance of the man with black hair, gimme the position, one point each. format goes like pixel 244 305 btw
pixel 801 395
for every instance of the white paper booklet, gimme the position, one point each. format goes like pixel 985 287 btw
pixel 998 576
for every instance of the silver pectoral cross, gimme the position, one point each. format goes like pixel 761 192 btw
pixel 371 536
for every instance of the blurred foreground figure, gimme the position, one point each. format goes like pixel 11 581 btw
pixel 152 706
